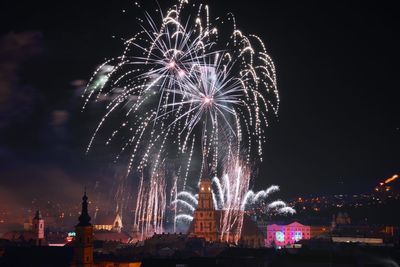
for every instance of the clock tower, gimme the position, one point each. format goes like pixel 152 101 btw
pixel 205 225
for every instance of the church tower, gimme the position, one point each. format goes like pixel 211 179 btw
pixel 83 243
pixel 38 228
pixel 204 216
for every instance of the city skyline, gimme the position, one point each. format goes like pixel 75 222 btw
pixel 337 132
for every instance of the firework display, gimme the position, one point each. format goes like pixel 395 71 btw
pixel 231 194
pixel 188 85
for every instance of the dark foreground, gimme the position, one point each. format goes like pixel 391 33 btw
pixel 344 255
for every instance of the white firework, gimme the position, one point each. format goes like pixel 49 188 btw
pixel 180 86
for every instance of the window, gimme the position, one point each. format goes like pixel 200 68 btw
pixel 201 226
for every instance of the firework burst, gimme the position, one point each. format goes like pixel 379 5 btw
pixel 182 87
pixel 175 75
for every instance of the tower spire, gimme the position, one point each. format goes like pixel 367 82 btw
pixel 38 227
pixel 84 218
pixel 83 243
pixel 38 215
pixel 205 170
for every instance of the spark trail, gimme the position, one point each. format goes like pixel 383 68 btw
pixel 231 195
pixel 184 75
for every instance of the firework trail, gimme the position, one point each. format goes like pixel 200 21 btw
pixel 150 205
pixel 182 86
pixel 234 186
pixel 180 73
pixel 231 195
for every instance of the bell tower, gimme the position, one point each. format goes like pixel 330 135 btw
pixel 38 228
pixel 204 216
pixel 83 243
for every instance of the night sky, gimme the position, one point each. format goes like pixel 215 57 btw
pixel 338 129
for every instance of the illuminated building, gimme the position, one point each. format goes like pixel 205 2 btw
pixel 38 228
pixel 283 235
pixel 109 228
pixel 359 240
pixel 205 225
pixel 207 222
pixel 108 223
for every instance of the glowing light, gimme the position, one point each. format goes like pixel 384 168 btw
pixel 207 100
pixel 171 65
pixel 298 235
pixel 391 179
pixel 280 236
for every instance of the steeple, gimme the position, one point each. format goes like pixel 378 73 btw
pixel 38 228
pixel 84 218
pixel 38 215
pixel 83 243
pixel 205 172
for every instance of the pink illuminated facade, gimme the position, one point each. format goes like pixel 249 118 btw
pixel 283 235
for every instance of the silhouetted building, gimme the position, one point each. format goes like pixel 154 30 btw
pixel 319 231
pixel 83 243
pixel 340 219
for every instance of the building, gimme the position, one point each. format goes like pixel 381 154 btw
pixel 359 240
pixel 205 225
pixel 340 219
pixel 108 227
pixel 33 233
pixel 207 222
pixel 38 228
pixel 108 222
pixel 83 243
pixel 110 236
pixel 283 235
pixel 319 230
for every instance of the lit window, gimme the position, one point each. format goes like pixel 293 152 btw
pixel 280 236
